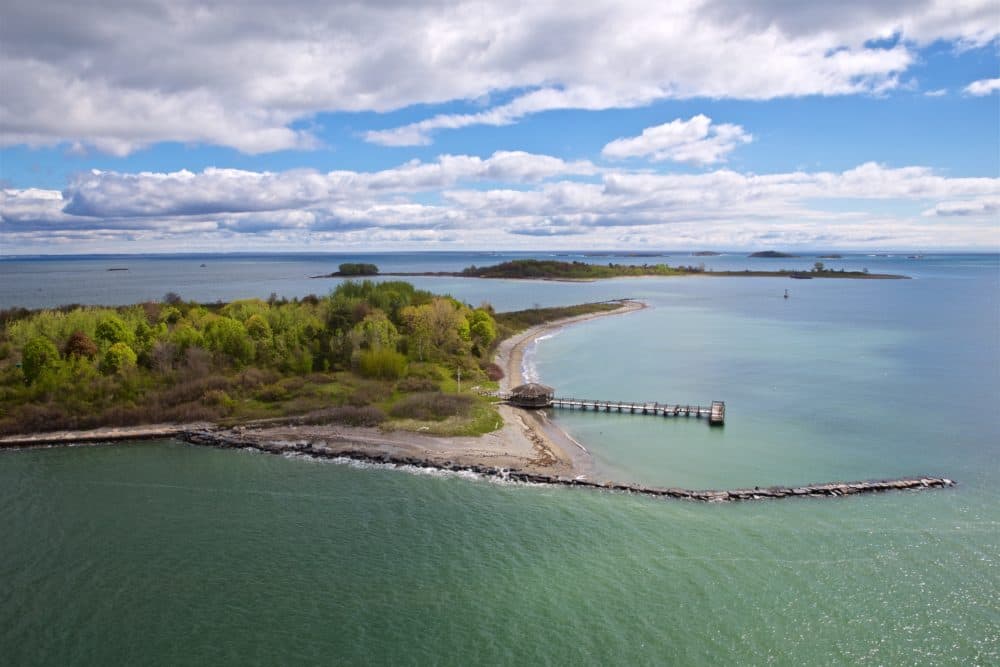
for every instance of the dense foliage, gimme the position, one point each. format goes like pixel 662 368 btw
pixel 363 345
pixel 552 269
pixel 357 269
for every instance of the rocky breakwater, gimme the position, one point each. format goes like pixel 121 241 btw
pixel 242 440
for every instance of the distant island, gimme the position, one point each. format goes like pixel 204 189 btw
pixel 356 269
pixel 706 253
pixel 771 254
pixel 831 256
pixel 537 269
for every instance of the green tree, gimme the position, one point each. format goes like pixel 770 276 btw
pixel 118 357
pixel 113 330
pixel 482 328
pixel 376 332
pixel 229 337
pixel 184 336
pixel 40 353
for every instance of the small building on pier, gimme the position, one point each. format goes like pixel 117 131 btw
pixel 531 395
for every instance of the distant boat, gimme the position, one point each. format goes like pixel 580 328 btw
pixel 800 276
pixel 786 294
pixel 118 268
pixel 203 266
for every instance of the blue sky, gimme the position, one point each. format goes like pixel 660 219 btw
pixel 159 126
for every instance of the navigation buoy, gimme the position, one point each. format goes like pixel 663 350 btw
pixel 786 294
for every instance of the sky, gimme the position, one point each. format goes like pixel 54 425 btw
pixel 179 126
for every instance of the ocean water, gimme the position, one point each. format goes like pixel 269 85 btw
pixel 163 553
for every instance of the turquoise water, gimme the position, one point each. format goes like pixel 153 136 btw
pixel 162 553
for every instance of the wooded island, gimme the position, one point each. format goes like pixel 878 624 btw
pixel 366 354
pixel 536 269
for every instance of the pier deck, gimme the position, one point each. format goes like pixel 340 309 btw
pixel 715 413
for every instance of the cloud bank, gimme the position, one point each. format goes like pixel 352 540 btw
pixel 123 75
pixel 505 200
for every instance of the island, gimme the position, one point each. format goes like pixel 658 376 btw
pixel 355 269
pixel 770 254
pixel 538 269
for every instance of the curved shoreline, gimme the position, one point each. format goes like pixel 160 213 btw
pixel 528 448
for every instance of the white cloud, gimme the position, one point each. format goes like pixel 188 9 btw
pixel 524 196
pixel 216 191
pixel 974 207
pixel 940 92
pixel 122 75
pixel 982 87
pixel 695 141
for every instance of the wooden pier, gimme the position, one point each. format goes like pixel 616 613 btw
pixel 715 413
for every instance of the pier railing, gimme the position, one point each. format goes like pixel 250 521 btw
pixel 714 413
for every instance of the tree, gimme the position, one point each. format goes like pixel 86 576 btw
pixel 229 336
pixel 482 328
pixel 118 357
pixel 376 332
pixel 818 266
pixel 80 344
pixel 38 354
pixel 436 328
pixel 112 330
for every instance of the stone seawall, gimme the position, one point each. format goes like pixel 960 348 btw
pixel 323 450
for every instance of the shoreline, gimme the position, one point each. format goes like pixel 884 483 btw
pixel 803 274
pixel 526 442
pixel 527 448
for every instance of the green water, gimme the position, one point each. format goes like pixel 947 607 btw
pixel 166 554
pixel 161 553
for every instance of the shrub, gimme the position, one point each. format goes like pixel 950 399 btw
pixel 219 398
pixel 192 390
pixel 382 363
pixel 493 371
pixel 368 393
pixel 410 385
pixel 368 415
pixel 272 393
pixel 253 377
pixel 432 406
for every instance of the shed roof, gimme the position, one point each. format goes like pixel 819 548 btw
pixel 532 390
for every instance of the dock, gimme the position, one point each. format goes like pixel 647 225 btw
pixel 539 396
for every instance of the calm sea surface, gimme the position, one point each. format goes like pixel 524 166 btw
pixel 166 554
